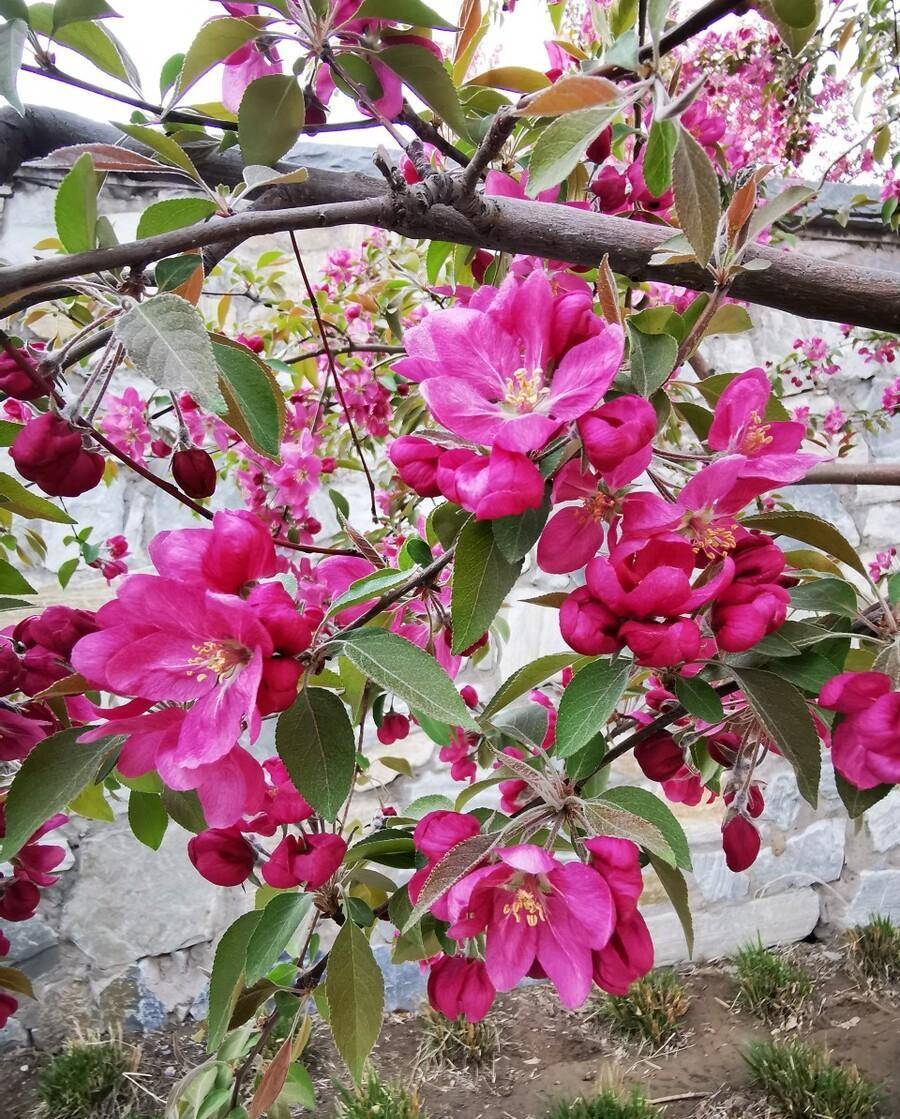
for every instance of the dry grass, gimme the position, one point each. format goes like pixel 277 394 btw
pixel 651 1012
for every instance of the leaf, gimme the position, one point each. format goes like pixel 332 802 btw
pixel 699 698
pixel 456 864
pixel 12 581
pixel 279 922
pixel 696 188
pixel 270 117
pixel 165 147
pixel 371 586
pixel 92 41
pixel 562 144
pixel 52 775
pixel 272 1080
pixel 570 93
pixel 528 677
pixel 213 43
pixel 413 12
pixel 652 358
pixel 516 79
pixel 730 318
pixel 147 818
pixel 811 671
pixel 777 208
pixel 516 536
pixel 675 886
pixel 256 176
pixel 354 987
pixel 658 156
pixel 12 45
pixel 14 9
pixel 482 578
pixel 298 1090
pixel 588 702
pixel 173 213
pixel 227 977
pixel 408 672
pixel 825 596
pixel 858 801
pixel 92 804
pixel 255 400
pixel 74 11
pixel 314 739
pixel 15 981
pixel 166 341
pixel 648 808
pixel 783 712
pixel 424 74
pixel 185 809
pixel 795 13
pixel 17 499
pixel 174 272
pixel 809 529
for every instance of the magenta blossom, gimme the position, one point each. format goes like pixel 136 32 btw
pixel 501 484
pixel 436 834
pixel 460 987
pixel 235 551
pixel 573 535
pixel 535 910
pixel 308 860
pixel 865 743
pixel 618 438
pixel 498 376
pixel 629 953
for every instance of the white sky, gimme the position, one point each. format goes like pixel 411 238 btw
pixel 153 30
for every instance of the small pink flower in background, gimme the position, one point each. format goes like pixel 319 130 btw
pixel 460 987
pixel 124 422
pixel 460 754
pixel 890 398
pixel 882 564
pixel 835 421
pixel 865 742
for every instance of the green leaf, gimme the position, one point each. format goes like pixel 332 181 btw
pixel 270 117
pixel 413 12
pixel 562 144
pixel 314 739
pixel 213 43
pixel 699 698
pixel 167 343
pixel 74 11
pixel 444 523
pixel 424 74
pixel 730 318
pixel 652 359
pixel 528 677
pixel 858 801
pixel 795 13
pixel 588 702
pixel 811 671
pixel 164 146
pixel 825 596
pixel 647 807
pixel 435 258
pixel 696 188
pixel 254 398
pixel 17 499
pixel 658 156
pixel 14 9
pixel 173 213
pixel 354 987
pixel 809 529
pixel 482 578
pixel 783 712
pixel 185 809
pixel 778 207
pixel 52 775
pixel 298 1090
pixel 407 671
pixel 91 40
pixel 371 586
pixel 8 432
pixel 279 921
pixel 66 570
pixel 92 804
pixel 227 978
pixel 12 46
pixel 147 818
pixel 516 536
pixel 675 886
pixel 12 581
pixel 580 766
pixel 174 271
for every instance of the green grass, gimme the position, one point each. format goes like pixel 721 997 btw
pixel 651 1011
pixel 88 1081
pixel 607 1105
pixel 770 985
pixel 378 1099
pixel 800 1082
pixel 458 1043
pixel 873 951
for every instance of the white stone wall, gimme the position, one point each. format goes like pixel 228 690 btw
pixel 129 931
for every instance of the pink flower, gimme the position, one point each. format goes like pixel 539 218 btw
pixel 416 460
pixel 461 754
pixel 222 856
pixel 307 860
pixel 629 953
pixel 535 910
pixel 865 743
pixel 662 644
pixel 236 550
pixel 124 421
pixel 834 421
pixel 20 734
pixel 573 535
pixel 459 987
pixel 501 484
pixel 436 834
pixel 488 376
pixel 617 438
pixel 243 66
pixel 738 427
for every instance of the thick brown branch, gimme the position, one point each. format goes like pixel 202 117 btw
pixel 853 474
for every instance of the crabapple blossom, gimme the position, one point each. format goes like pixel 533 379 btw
pixel 865 741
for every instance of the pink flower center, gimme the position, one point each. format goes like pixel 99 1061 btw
pixel 596 507
pixel 218 658
pixel 711 538
pixel 524 389
pixel 756 436
pixel 525 905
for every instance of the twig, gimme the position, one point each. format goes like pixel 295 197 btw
pixel 498 133
pixel 352 348
pixel 430 135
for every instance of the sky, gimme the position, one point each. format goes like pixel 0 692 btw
pixel 153 30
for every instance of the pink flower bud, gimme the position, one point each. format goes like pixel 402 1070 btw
pixel 598 150
pixel 195 472
pixel 4 945
pixel 49 452
pixel 14 381
pixel 18 900
pixel 741 843
pixel 469 696
pixel 328 463
pixel 58 629
pixel 394 727
pixel 660 757
pixel 8 1007
pixel 252 342
pixel 222 856
pixel 587 626
pixel 620 429
pixel 662 644
pixel 304 860
pixel 11 671
pixel 278 687
pixel 291 632
pixel 459 986
pixel 160 448
pixel 416 460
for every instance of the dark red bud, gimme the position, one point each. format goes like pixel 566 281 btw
pixel 195 472
pixel 599 150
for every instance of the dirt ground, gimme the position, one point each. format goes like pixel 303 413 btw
pixel 547 1053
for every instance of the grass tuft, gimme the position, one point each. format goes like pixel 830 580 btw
pixel 770 985
pixel 873 951
pixel 88 1080
pixel 607 1105
pixel 457 1043
pixel 802 1083
pixel 651 1011
pixel 378 1099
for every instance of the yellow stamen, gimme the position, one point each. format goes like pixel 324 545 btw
pixel 221 659
pixel 524 389
pixel 525 902
pixel 756 436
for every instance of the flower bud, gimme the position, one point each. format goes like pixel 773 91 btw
pixel 252 342
pixel 741 843
pixel 222 856
pixel 309 859
pixel 49 452
pixel 8 1007
pixel 598 150
pixel 587 626
pixel 160 448
pixel 459 986
pixel 416 460
pixel 14 381
pixel 18 900
pixel 58 629
pixel 394 727
pixel 469 696
pixel 11 671
pixel 195 472
pixel 660 757
pixel 278 687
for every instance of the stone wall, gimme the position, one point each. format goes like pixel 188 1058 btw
pixel 129 931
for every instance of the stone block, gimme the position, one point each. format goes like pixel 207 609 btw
pixel 883 822
pixel 722 929
pixel 404 984
pixel 782 799
pixel 878 893
pixel 714 880
pixel 27 938
pixel 128 1003
pixel 815 855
